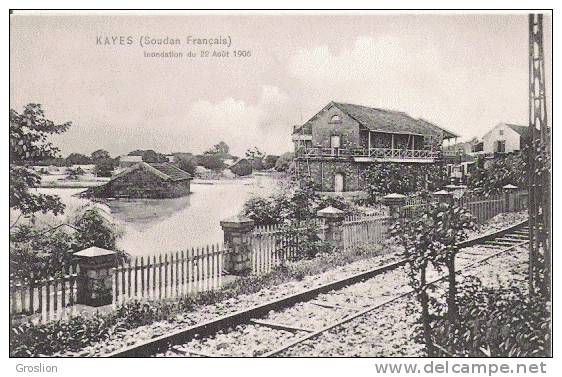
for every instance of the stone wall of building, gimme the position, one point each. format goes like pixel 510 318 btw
pixel 325 126
pixel 323 172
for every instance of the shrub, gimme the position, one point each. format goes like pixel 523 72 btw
pixel 504 322
pixel 186 162
pixel 270 161
pixel 104 168
pixel 211 161
pixel 388 178
pixel 284 162
pixel 502 171
pixel 242 168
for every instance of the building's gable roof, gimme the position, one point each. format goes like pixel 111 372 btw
pixel 521 130
pixel 380 120
pixel 163 170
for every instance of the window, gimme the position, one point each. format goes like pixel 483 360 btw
pixel 335 141
pixel 335 119
pixel 501 132
pixel 500 147
pixel 335 145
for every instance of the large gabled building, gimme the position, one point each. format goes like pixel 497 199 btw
pixel 335 146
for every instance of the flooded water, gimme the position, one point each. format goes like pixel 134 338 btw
pixel 153 226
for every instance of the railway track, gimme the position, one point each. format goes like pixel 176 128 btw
pixel 300 317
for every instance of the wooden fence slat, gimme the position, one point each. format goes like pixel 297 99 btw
pixel 136 277
pixel 183 283
pixel 142 276
pixel 160 276
pixel 31 294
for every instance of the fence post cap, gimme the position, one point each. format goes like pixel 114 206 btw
pixel 510 187
pixel 236 221
pixel 330 213
pixel 394 199
pixel 93 252
pixel 442 192
pixel 394 196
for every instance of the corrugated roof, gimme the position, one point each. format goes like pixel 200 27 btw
pixel 381 120
pixel 521 130
pixel 164 170
pixel 171 171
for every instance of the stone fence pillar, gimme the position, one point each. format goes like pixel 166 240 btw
pixel 333 230
pixel 444 196
pixel 237 235
pixel 95 278
pixel 510 191
pixel 395 202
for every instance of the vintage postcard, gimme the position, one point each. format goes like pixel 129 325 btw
pixel 281 184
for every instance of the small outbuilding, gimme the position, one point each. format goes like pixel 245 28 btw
pixel 147 180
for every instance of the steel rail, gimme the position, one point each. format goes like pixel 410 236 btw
pixel 207 328
pixel 378 306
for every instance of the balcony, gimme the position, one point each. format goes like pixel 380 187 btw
pixel 370 155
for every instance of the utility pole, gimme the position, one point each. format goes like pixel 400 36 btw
pixel 538 162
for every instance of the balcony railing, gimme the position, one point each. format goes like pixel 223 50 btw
pixel 377 153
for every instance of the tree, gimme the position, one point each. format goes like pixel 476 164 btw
pixel 242 168
pixel 104 168
pixel 501 171
pixel 211 161
pixel 222 149
pixel 432 239
pixel 186 162
pixel 29 132
pixel 78 159
pixel 152 156
pixel 269 161
pixel 74 173
pixel 284 162
pixel 92 229
pixel 100 154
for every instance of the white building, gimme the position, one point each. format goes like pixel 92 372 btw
pixel 505 138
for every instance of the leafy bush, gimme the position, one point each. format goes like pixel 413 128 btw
pixel 72 334
pixel 211 161
pixel 502 171
pixel 387 178
pixel 431 240
pixel 242 168
pixel 186 162
pixel 504 322
pixel 270 161
pixel 300 240
pixel 105 167
pixel 284 162
pixel 40 254
pixel 294 203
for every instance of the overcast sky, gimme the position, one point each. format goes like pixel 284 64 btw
pixel 465 73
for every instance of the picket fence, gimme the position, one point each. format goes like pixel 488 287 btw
pixel 359 231
pixel 483 208
pixel 177 274
pixel 272 244
pixel 192 271
pixel 45 299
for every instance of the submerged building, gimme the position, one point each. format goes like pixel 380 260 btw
pixel 146 180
